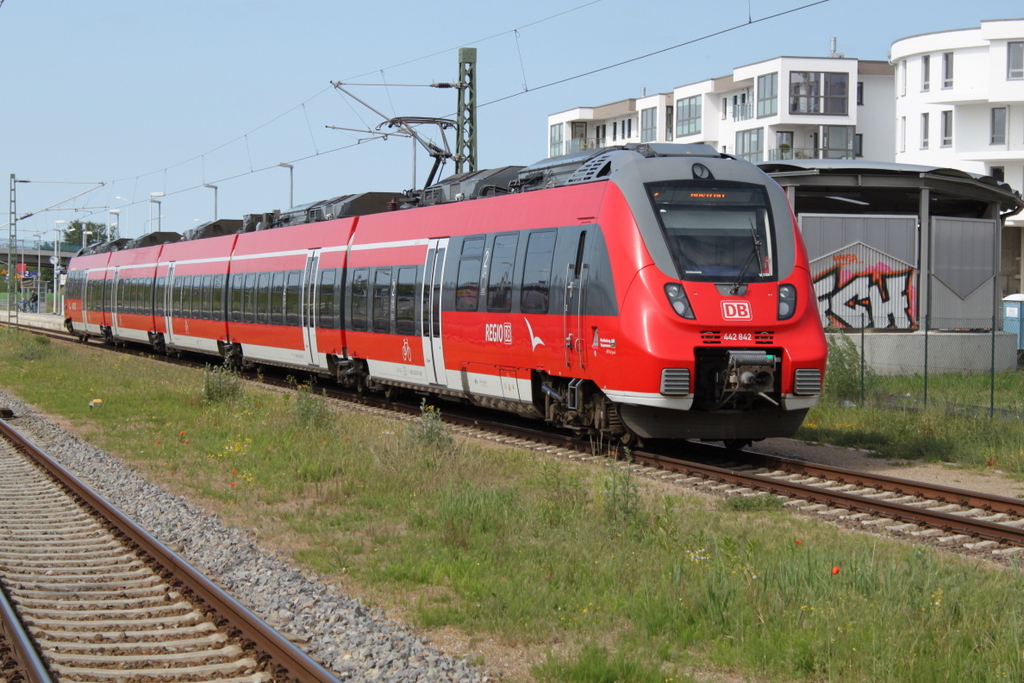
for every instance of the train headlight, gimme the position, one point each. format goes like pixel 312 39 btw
pixel 787 301
pixel 677 298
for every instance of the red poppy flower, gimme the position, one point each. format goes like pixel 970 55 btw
pixel 835 570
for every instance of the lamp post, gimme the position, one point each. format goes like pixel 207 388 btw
pixel 56 259
pixel 214 188
pixel 291 184
pixel 113 234
pixel 152 201
pixel 85 233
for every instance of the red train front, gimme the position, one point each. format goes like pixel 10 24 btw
pixel 652 291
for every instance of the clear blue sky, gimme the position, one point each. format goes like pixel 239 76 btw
pixel 166 97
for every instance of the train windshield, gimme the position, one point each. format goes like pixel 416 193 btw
pixel 716 232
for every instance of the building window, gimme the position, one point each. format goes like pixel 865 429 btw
pixel 725 108
pixel 688 116
pixel 556 140
pixel 947 128
pixel 838 142
pixel 924 131
pixel 860 93
pixel 858 145
pixel 629 128
pixel 998 173
pixel 750 145
pixel 903 78
pixel 599 134
pixel 768 95
pixel 818 93
pixel 649 124
pixel 998 126
pixel 615 131
pixel 1015 61
pixel 903 133
pixel 926 73
pixel 947 70
pixel 669 111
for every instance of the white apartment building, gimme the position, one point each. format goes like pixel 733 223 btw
pixel 960 100
pixel 781 108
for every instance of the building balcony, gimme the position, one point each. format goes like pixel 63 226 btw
pixel 786 153
pixel 743 112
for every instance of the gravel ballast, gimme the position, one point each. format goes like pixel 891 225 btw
pixel 355 642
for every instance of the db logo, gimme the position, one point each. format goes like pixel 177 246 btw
pixel 736 310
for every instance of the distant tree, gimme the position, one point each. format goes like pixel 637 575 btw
pixel 73 233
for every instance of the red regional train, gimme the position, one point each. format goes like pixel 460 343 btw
pixel 635 292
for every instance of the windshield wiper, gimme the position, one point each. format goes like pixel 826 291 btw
pixel 755 255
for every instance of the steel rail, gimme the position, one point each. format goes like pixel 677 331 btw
pixel 299 665
pixel 29 662
pixel 940 520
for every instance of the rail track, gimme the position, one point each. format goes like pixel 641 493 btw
pixel 947 517
pixel 89 596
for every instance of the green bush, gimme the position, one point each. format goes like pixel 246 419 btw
pixel 221 384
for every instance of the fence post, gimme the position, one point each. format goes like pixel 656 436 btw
pixel 926 319
pixel 992 374
pixel 863 354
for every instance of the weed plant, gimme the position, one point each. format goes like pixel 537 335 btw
pixel 471 536
pixel 221 383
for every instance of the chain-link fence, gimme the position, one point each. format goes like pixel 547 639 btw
pixel 967 366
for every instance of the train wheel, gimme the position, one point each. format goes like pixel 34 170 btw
pixel 630 440
pixel 391 393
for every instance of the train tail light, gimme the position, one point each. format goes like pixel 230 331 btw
pixel 787 301
pixel 677 298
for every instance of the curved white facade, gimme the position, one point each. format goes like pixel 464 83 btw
pixel 960 100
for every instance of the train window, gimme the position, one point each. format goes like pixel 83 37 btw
pixel 405 301
pixel 382 300
pixel 177 284
pixel 236 286
pixel 467 291
pixel 716 231
pixel 325 306
pixel 217 310
pixel 263 299
pixel 358 306
pixel 503 262
pixel 291 302
pixel 188 297
pixel 159 289
pixel 133 295
pixel 207 296
pixel 277 299
pixel 249 307
pixel 540 249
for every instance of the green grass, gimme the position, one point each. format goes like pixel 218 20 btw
pixel 613 581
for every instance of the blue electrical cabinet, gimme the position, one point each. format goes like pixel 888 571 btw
pixel 1013 316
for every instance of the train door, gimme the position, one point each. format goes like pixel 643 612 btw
pixel 573 323
pixel 433 351
pixel 168 310
pixel 308 320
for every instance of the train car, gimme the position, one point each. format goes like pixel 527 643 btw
pixel 635 292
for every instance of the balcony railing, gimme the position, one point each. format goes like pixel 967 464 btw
pixel 785 153
pixel 743 112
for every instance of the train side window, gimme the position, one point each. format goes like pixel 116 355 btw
pixel 188 301
pixel 207 296
pixel 217 310
pixel 159 292
pixel 467 291
pixel 292 297
pixel 405 304
pixel 133 295
pixel 263 299
pixel 249 311
pixel 325 305
pixel 176 294
pixel 382 300
pixel 277 298
pixel 503 262
pixel 236 287
pixel 540 249
pixel 359 285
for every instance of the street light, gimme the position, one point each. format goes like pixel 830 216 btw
pixel 113 234
pixel 214 188
pixel 152 201
pixel 84 234
pixel 56 259
pixel 291 184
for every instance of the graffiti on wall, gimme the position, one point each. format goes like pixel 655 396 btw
pixel 853 293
